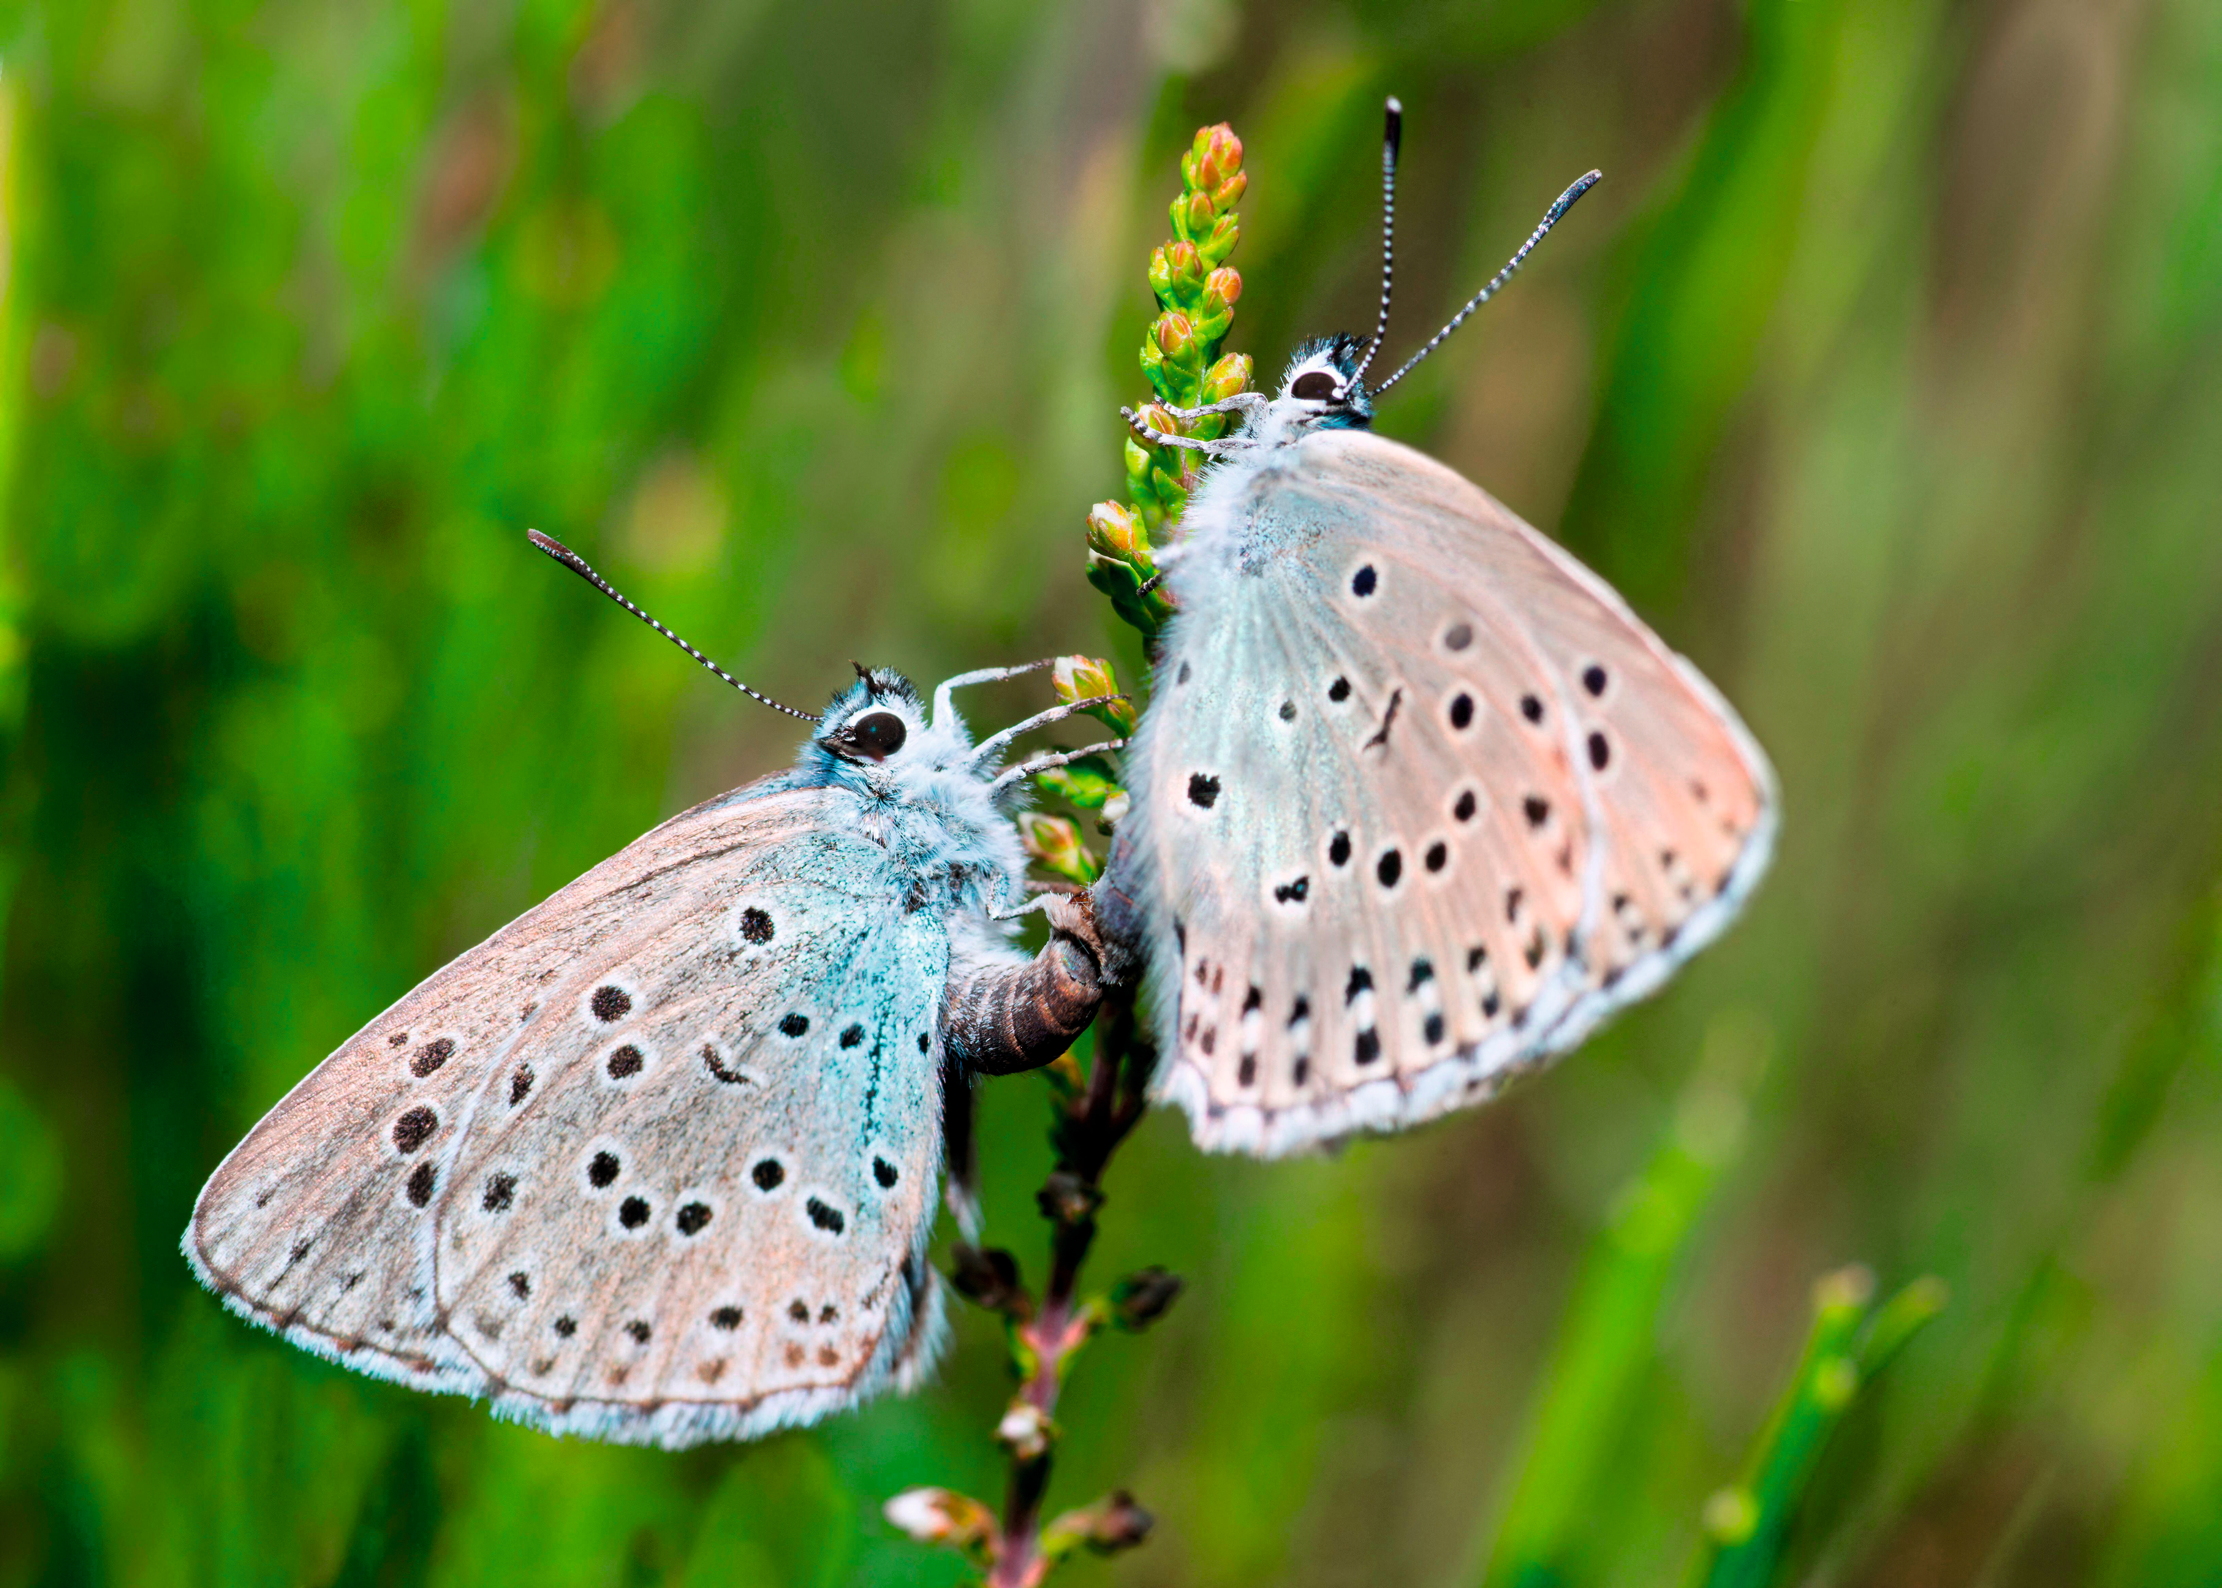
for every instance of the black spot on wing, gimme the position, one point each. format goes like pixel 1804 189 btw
pixel 610 1004
pixel 414 1128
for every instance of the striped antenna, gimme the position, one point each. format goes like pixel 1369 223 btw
pixel 1392 139
pixel 1550 219
pixel 578 565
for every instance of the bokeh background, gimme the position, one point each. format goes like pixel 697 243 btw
pixel 1884 374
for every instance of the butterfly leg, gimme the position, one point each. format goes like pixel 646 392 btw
pixel 1150 433
pixel 1042 763
pixel 982 675
pixel 1252 405
pixel 1001 1019
pixel 994 744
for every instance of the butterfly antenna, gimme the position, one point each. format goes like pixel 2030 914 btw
pixel 578 565
pixel 1550 219
pixel 1392 139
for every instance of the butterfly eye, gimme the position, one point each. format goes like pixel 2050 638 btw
pixel 1315 385
pixel 879 735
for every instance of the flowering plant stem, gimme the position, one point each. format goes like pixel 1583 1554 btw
pixel 1092 1120
pixel 1095 1110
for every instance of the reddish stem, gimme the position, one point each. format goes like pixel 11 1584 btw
pixel 1095 1123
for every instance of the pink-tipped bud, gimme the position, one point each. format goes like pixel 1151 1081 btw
pixel 1116 530
pixel 1230 375
pixel 1198 214
pixel 1176 335
pixel 1223 286
pixel 1229 193
pixel 1159 418
pixel 1214 156
pixel 1184 263
pixel 942 1516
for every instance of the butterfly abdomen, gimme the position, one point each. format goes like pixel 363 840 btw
pixel 999 1019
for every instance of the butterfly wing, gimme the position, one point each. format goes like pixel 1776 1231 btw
pixel 655 1163
pixel 1423 800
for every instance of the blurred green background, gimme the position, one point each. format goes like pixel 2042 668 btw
pixel 1884 373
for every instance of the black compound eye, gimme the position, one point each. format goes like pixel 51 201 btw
pixel 878 735
pixel 1316 385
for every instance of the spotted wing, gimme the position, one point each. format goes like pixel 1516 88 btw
pixel 1423 802
pixel 655 1163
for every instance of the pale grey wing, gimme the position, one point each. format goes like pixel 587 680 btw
pixel 1358 916
pixel 1684 799
pixel 544 1175
pixel 1514 917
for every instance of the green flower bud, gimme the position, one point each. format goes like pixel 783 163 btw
pixel 1185 265
pixel 1175 335
pixel 1230 375
pixel 1084 678
pixel 1116 530
pixel 1158 417
pixel 1229 193
pixel 1196 216
pixel 1161 276
pixel 1218 240
pixel 1222 287
pixel 1053 843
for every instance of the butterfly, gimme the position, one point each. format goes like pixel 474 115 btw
pixel 1418 800
pixel 657 1162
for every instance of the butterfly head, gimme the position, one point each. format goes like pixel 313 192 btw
pixel 877 721
pixel 1321 390
pixel 877 733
